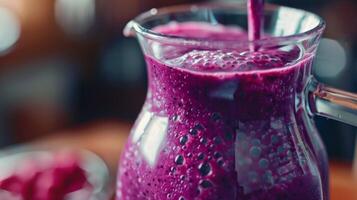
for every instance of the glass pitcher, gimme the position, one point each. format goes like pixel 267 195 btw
pixel 213 133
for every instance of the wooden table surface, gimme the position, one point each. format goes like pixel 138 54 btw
pixel 343 183
pixel 107 140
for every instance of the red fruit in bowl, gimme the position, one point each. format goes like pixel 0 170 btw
pixel 12 184
pixel 51 179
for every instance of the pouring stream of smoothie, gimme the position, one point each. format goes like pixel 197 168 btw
pixel 255 21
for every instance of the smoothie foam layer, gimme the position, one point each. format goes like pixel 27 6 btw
pixel 213 60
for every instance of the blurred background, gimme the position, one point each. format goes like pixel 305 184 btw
pixel 67 71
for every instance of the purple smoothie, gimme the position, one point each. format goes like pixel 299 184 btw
pixel 224 125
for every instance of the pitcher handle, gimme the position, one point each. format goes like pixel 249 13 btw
pixel 332 103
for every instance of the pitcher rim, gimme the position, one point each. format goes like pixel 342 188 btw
pixel 136 25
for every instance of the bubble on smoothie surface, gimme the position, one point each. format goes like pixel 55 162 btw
pixel 229 59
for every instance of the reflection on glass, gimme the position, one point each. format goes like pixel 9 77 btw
pixel 140 127
pixel 287 15
pixel 153 139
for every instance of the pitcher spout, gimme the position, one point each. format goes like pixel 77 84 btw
pixel 129 30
